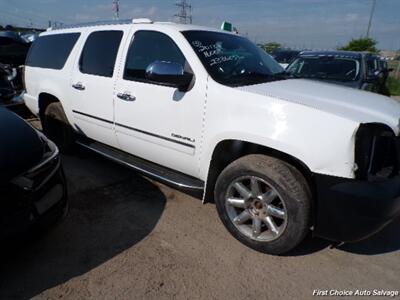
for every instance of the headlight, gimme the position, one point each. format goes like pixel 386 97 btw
pixel 375 152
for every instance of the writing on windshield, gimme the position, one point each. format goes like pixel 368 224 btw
pixel 232 60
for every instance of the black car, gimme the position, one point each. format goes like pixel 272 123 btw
pixel 13 51
pixel 32 184
pixel 285 56
pixel 353 69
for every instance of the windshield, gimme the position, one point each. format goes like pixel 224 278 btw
pixel 285 57
pixel 326 67
pixel 233 60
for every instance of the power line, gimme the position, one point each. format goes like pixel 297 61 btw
pixel 370 17
pixel 184 14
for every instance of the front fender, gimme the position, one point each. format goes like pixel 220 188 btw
pixel 324 142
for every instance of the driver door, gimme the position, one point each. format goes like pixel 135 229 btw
pixel 152 121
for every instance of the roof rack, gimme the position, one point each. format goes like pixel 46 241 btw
pixel 99 23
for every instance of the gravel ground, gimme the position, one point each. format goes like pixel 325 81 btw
pixel 127 237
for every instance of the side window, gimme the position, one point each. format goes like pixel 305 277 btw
pixel 148 47
pixel 51 51
pixel 100 52
pixel 370 65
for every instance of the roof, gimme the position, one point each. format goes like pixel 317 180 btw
pixel 349 54
pixel 175 26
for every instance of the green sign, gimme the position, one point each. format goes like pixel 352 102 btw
pixel 227 26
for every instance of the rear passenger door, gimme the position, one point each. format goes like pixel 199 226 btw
pixel 92 84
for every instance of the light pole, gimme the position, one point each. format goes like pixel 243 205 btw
pixel 370 17
pixel 116 9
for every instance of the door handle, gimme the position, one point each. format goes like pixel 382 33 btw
pixel 126 96
pixel 78 86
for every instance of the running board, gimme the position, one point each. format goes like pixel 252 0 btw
pixel 147 168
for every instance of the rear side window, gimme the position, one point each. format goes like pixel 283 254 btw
pixel 51 51
pixel 100 52
pixel 148 47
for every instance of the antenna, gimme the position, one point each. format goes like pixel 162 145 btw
pixel 115 9
pixel 185 12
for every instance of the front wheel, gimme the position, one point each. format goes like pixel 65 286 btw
pixel 264 203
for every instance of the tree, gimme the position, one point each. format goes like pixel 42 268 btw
pixel 270 47
pixel 361 44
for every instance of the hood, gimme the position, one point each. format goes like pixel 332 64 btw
pixel 20 146
pixel 352 84
pixel 359 106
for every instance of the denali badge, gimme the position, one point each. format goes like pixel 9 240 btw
pixel 178 136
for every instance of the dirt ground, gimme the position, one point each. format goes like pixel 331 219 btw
pixel 127 237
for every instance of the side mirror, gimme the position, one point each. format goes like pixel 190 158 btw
pixel 169 74
pixel 390 70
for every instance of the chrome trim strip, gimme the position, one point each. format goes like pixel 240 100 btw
pixel 93 117
pixel 136 129
pixel 156 135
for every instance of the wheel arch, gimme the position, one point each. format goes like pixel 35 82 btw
pixel 238 148
pixel 45 99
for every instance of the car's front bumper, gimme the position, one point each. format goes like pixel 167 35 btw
pixel 351 210
pixel 22 207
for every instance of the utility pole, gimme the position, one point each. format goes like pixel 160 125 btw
pixel 370 17
pixel 185 12
pixel 116 9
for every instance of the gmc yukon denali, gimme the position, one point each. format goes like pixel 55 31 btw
pixel 208 111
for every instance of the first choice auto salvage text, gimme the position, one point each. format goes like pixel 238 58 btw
pixel 345 293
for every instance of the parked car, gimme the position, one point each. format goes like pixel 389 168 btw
pixel 7 90
pixel 13 51
pixel 32 185
pixel 353 69
pixel 208 111
pixel 285 56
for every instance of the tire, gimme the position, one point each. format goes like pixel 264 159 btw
pixel 57 128
pixel 274 216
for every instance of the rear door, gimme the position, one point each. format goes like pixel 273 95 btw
pixel 92 84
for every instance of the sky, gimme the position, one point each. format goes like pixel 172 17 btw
pixel 313 24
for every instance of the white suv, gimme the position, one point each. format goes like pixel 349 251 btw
pixel 207 110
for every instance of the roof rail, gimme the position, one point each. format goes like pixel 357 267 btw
pixel 99 23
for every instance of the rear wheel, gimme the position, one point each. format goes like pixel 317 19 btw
pixel 56 127
pixel 264 203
